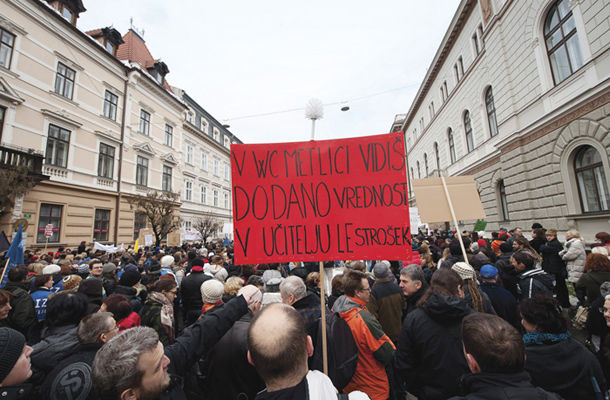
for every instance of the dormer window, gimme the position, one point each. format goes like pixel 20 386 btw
pixel 159 78
pixel 108 37
pixel 110 48
pixel 67 13
pixel 69 9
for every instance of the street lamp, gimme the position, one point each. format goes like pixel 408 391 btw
pixel 314 110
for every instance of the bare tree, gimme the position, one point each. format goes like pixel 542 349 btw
pixel 16 182
pixel 158 207
pixel 207 226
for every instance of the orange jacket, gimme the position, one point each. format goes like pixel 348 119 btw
pixel 375 349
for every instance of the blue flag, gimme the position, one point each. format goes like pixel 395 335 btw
pixel 226 241
pixel 14 254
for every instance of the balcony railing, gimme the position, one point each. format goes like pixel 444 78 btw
pixel 18 157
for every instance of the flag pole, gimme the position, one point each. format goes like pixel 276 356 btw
pixel 8 260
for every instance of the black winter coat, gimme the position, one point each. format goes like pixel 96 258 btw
pixel 507 273
pixel 552 263
pixel 191 295
pixel 22 317
pixel 535 281
pixel 226 369
pixel 504 303
pixel 429 356
pixel 484 386
pixel 565 368
pixel 131 294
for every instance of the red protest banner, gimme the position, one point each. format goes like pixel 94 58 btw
pixel 321 200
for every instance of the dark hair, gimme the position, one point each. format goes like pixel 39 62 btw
pixel 444 281
pixel 597 262
pixel 539 232
pixel 216 259
pixel 118 305
pixel 352 281
pixel 337 284
pixel 284 358
pixel 164 284
pixel 66 308
pixel 545 312
pixel 17 273
pixel 494 343
pixel 358 266
pixel 525 257
pixel 5 297
pixel 256 281
pixel 40 280
pixel 65 270
pixel 604 237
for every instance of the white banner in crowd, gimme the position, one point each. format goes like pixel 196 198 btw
pixel 108 249
pixel 192 236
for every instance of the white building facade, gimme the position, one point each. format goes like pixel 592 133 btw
pixel 518 95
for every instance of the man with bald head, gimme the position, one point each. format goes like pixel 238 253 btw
pixel 278 348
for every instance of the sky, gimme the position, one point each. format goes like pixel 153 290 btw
pixel 259 59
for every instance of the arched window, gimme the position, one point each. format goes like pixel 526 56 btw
pixel 503 201
pixel 451 145
pixel 491 112
pixel 426 163
pixel 418 171
pixel 591 179
pixel 562 41
pixel 438 159
pixel 468 130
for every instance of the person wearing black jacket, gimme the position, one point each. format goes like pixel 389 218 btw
pixel 553 264
pixel 191 292
pixel 496 356
pixel 22 315
pixel 507 272
pixel 429 356
pixel 134 364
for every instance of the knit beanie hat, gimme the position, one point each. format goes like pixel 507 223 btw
pixel 464 270
pixel 71 282
pixel 108 268
pixel 83 268
pixel 130 278
pixel 506 247
pixel 273 285
pixel 166 261
pixel 130 266
pixel 380 270
pixel 211 291
pixel 11 347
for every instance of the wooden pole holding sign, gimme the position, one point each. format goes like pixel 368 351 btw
pixel 323 320
pixel 8 260
pixel 457 227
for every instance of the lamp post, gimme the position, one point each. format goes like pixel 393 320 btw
pixel 314 110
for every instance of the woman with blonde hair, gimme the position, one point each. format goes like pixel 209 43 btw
pixel 232 286
pixel 574 255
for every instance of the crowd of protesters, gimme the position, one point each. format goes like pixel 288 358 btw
pixel 187 323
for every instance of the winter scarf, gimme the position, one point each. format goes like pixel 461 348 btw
pixel 167 313
pixel 536 337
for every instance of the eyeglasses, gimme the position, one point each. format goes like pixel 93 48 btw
pixel 368 289
pixel 116 329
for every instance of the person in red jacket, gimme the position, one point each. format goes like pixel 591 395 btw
pixel 120 307
pixel 375 349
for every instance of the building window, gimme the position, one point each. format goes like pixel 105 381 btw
pixel 216 134
pixel 204 161
pixel 2 114
pixel 422 125
pixel 101 226
pixel 418 171
pixel 142 171
pixel 475 43
pixel 7 42
pixel 442 95
pixel 216 167
pixel 412 174
pixel 436 155
pixel 591 179
pixel 227 142
pixel 445 89
pixel 431 110
pixel 190 154
pixel 227 201
pixel 189 116
pixel 67 13
pixel 204 125
pixel 166 182
pixel 227 172
pixel 426 163
pixel 105 165
pixel 189 191
pixel 49 214
pixel 188 225
pixel 451 146
pixel 58 143
pixel 503 201
pixel 468 131
pixel 139 222
pixel 204 194
pixel 110 47
pixel 562 41
pixel 144 122
pixel 64 81
pixel 169 135
pixel 491 112
pixel 110 105
pixel 215 198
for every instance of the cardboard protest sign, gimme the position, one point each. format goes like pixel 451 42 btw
pixel 321 200
pixel 173 239
pixel 433 204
